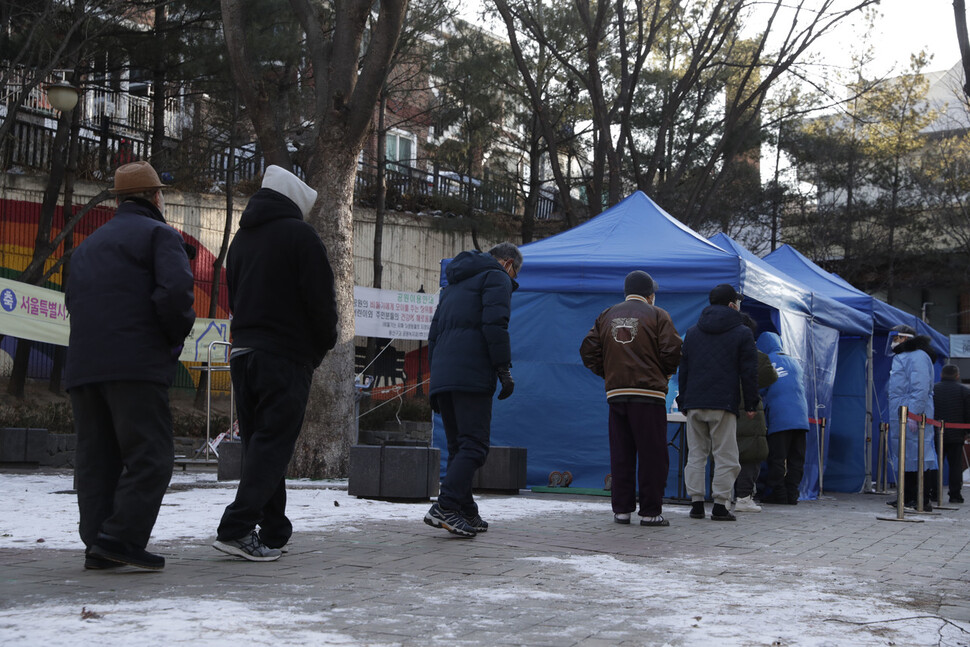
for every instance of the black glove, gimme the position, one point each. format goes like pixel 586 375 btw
pixel 508 384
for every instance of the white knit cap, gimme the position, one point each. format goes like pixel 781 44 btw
pixel 282 181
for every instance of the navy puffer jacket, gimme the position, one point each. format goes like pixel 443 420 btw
pixel 130 295
pixel 718 353
pixel 469 336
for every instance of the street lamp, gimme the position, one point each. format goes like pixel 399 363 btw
pixel 62 96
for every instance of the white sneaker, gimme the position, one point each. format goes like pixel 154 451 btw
pixel 746 504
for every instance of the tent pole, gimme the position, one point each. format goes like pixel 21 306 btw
pixel 867 485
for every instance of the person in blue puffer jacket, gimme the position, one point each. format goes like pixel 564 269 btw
pixel 786 409
pixel 469 351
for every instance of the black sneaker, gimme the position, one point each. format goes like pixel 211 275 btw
pixel 697 510
pixel 450 520
pixel 476 522
pixel 248 547
pixel 720 513
pixel 121 552
pixel 95 563
pixel 956 499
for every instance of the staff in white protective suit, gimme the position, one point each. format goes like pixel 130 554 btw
pixel 911 385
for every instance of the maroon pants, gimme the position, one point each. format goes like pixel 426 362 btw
pixel 638 435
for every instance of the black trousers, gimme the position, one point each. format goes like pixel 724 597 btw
pixel 638 437
pixel 786 463
pixel 271 399
pixel 124 459
pixel 953 455
pixel 467 418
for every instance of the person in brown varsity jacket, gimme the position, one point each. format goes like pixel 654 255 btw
pixel 635 348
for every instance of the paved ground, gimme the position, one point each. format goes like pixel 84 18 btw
pixel 824 572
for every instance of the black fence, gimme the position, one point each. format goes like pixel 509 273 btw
pixel 102 149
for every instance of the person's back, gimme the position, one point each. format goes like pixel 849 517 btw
pixel 469 337
pixel 635 348
pixel 284 320
pixel 951 404
pixel 718 355
pixel 281 288
pixel 468 351
pixel 715 350
pixel 786 411
pixel 130 296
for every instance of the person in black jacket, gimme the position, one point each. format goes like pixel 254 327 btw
pixel 951 403
pixel 130 296
pixel 468 350
pixel 284 320
pixel 718 355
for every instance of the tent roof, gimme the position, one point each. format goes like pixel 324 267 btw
pixel 764 282
pixel 635 234
pixel 884 316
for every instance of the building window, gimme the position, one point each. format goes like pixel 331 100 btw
pixel 400 148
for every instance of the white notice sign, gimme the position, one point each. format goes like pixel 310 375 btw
pixel 393 314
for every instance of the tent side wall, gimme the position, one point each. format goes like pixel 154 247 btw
pixel 559 411
pixel 845 470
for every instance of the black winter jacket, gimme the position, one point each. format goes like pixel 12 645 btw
pixel 130 296
pixel 469 336
pixel 951 403
pixel 718 354
pixel 281 290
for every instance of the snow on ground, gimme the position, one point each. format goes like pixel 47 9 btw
pixel 194 513
pixel 707 602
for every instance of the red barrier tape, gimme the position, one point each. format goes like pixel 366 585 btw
pixel 936 423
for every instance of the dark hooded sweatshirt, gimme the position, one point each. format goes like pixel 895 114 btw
pixel 281 290
pixel 718 353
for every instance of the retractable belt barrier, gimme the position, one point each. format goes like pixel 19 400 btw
pixel 943 425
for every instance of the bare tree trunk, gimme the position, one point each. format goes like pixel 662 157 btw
pixel 158 88
pixel 329 428
pixel 60 352
pixel 960 15
pixel 219 262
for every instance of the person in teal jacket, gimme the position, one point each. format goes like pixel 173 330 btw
pixel 786 409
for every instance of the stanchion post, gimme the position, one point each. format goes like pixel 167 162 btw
pixel 901 462
pixel 921 454
pixel 939 469
pixel 821 452
pixel 900 481
pixel 881 460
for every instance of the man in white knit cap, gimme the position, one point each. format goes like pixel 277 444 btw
pixel 284 320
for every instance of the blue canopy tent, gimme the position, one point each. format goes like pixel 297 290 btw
pixel 559 411
pixel 883 317
pixel 835 390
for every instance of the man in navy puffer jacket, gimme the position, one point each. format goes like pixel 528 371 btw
pixel 718 354
pixel 468 350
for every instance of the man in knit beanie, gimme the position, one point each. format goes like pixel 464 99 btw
pixel 284 320
pixel 635 348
